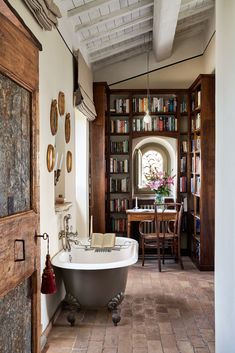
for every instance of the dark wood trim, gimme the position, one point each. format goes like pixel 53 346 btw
pixel 15 18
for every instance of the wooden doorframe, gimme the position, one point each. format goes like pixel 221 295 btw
pixel 19 60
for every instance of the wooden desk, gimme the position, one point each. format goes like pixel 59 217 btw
pixel 143 215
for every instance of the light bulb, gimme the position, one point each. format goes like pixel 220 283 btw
pixel 147 117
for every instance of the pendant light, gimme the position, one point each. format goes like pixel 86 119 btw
pixel 147 117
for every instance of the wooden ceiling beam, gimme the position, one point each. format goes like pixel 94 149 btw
pixel 165 19
pixel 196 10
pixel 120 39
pixel 87 7
pixel 119 49
pixel 115 14
pixel 117 29
pixel 192 21
pixel 128 54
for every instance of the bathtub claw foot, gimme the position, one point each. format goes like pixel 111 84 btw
pixel 72 304
pixel 116 317
pixel 112 306
pixel 71 318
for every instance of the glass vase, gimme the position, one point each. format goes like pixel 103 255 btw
pixel 159 199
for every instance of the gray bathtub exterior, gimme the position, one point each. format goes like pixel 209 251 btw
pixel 95 288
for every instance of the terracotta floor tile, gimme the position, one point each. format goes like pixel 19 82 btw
pixel 167 312
pixel 168 341
pixel 58 350
pixel 165 327
pixel 139 340
pixel 201 350
pixel 154 346
pixel 185 347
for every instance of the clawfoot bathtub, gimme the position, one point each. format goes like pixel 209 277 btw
pixel 95 278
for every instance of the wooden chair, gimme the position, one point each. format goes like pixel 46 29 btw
pixel 163 230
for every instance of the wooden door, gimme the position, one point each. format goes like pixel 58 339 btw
pixel 19 187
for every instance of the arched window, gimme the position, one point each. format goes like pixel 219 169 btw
pixel 147 156
pixel 150 160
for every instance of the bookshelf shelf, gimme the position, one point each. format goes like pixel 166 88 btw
pixel 202 172
pixel 119 154
pixel 196 195
pixel 119 134
pixel 173 134
pixel 119 192
pixel 119 173
pixel 119 114
pixel 155 113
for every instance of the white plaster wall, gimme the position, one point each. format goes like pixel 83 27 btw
pixel 209 57
pixel 180 75
pixel 82 173
pixel 225 171
pixel 137 65
pixel 55 74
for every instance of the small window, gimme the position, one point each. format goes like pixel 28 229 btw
pixel 151 155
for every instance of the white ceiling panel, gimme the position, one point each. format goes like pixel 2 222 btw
pixel 112 29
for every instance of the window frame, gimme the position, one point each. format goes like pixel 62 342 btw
pixel 137 170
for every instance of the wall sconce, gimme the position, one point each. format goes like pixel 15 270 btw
pixel 57 171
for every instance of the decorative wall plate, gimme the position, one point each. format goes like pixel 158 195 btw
pixel 69 161
pixel 54 117
pixel 50 158
pixel 61 103
pixel 67 128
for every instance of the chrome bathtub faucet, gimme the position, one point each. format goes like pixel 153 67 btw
pixel 66 235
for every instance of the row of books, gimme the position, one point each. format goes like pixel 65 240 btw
pixel 198 226
pixel 196 165
pixel 119 166
pixel 192 186
pixel 118 225
pixel 158 123
pixel 184 146
pixel 196 123
pixel 155 104
pixel 183 164
pixel 119 146
pixel 198 185
pixel 121 105
pixel 183 105
pixel 166 105
pixel 196 100
pixel 183 184
pixel 119 205
pixel 119 185
pixel 119 126
pixel 196 144
pixel 197 250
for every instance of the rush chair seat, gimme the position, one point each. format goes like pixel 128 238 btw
pixel 163 230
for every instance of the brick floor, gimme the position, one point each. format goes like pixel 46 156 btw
pixel 167 312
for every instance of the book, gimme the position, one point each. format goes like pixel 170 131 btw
pixel 100 240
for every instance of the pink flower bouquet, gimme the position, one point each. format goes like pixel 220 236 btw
pixel 160 182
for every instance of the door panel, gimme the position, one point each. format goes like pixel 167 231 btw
pixel 15 146
pixel 19 177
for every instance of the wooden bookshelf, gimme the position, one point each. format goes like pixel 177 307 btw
pixel 118 161
pixel 202 171
pixel 126 110
pixel 118 124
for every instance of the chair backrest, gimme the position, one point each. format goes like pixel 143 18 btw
pixel 168 218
